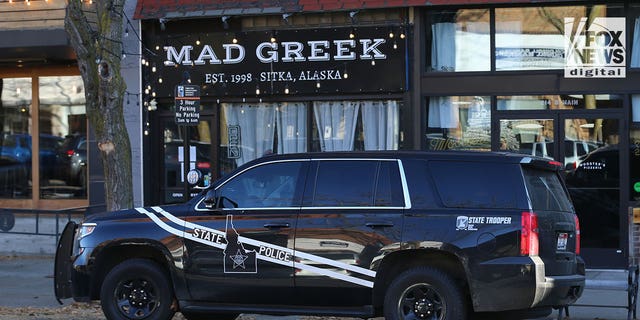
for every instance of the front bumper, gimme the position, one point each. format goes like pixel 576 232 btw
pixel 62 278
pixel 69 280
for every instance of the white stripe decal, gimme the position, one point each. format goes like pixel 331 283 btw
pixel 256 243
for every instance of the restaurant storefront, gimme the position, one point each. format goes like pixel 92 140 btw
pixel 43 154
pixel 304 89
pixel 478 77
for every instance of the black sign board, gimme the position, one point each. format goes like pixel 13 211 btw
pixel 258 63
pixel 187 101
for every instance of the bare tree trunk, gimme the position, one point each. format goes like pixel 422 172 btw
pixel 95 31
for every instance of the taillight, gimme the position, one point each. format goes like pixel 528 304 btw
pixel 529 245
pixel 70 152
pixel 555 163
pixel 575 217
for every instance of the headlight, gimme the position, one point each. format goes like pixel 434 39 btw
pixel 86 229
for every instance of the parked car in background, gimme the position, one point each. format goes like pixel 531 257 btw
pixel 15 161
pixel 573 150
pixel 72 160
pixel 16 148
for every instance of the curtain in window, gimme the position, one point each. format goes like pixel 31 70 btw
pixel 380 123
pixel 635 54
pixel 336 122
pixel 443 48
pixel 257 128
pixel 443 113
pixel 292 127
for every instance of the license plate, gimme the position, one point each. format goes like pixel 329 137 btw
pixel 562 240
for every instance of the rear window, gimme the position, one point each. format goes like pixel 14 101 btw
pixel 477 184
pixel 546 191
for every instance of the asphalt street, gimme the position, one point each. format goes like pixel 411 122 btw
pixel 27 280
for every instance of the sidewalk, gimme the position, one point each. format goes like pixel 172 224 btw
pixel 26 279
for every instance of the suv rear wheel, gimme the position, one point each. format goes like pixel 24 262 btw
pixel 424 293
pixel 137 289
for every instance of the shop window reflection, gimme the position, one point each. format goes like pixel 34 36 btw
pixel 528 136
pixel 635 51
pixel 15 144
pixel 635 108
pixel 532 38
pixel 560 102
pixel 460 40
pixel 63 138
pixel 459 123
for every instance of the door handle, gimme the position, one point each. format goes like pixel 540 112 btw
pixel 276 225
pixel 374 225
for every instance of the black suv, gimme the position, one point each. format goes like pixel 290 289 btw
pixel 404 235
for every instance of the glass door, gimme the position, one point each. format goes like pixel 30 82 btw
pixel 591 155
pixel 588 147
pixel 174 160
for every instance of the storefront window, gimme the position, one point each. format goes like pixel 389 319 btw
pixel 634 165
pixel 635 49
pixel 15 147
pixel 527 136
pixel 63 138
pixel 459 123
pixel 460 40
pixel 356 125
pixel 635 108
pixel 553 102
pixel 249 131
pixel 532 38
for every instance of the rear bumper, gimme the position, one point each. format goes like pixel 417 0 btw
pixel 519 283
pixel 556 290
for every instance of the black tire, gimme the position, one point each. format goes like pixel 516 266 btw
pixel 212 316
pixel 137 289
pixel 424 293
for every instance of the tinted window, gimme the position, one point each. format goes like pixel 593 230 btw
pixel 270 185
pixel 357 183
pixel 345 183
pixel 477 184
pixel 546 191
pixel 389 188
pixel 419 183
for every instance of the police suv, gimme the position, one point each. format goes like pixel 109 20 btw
pixel 404 235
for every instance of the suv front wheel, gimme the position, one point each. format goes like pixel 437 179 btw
pixel 424 293
pixel 137 289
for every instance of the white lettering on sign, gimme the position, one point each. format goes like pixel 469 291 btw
pixel 289 51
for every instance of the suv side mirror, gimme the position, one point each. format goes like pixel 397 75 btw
pixel 210 199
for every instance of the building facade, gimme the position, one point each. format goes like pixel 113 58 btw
pixel 42 110
pixel 304 76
